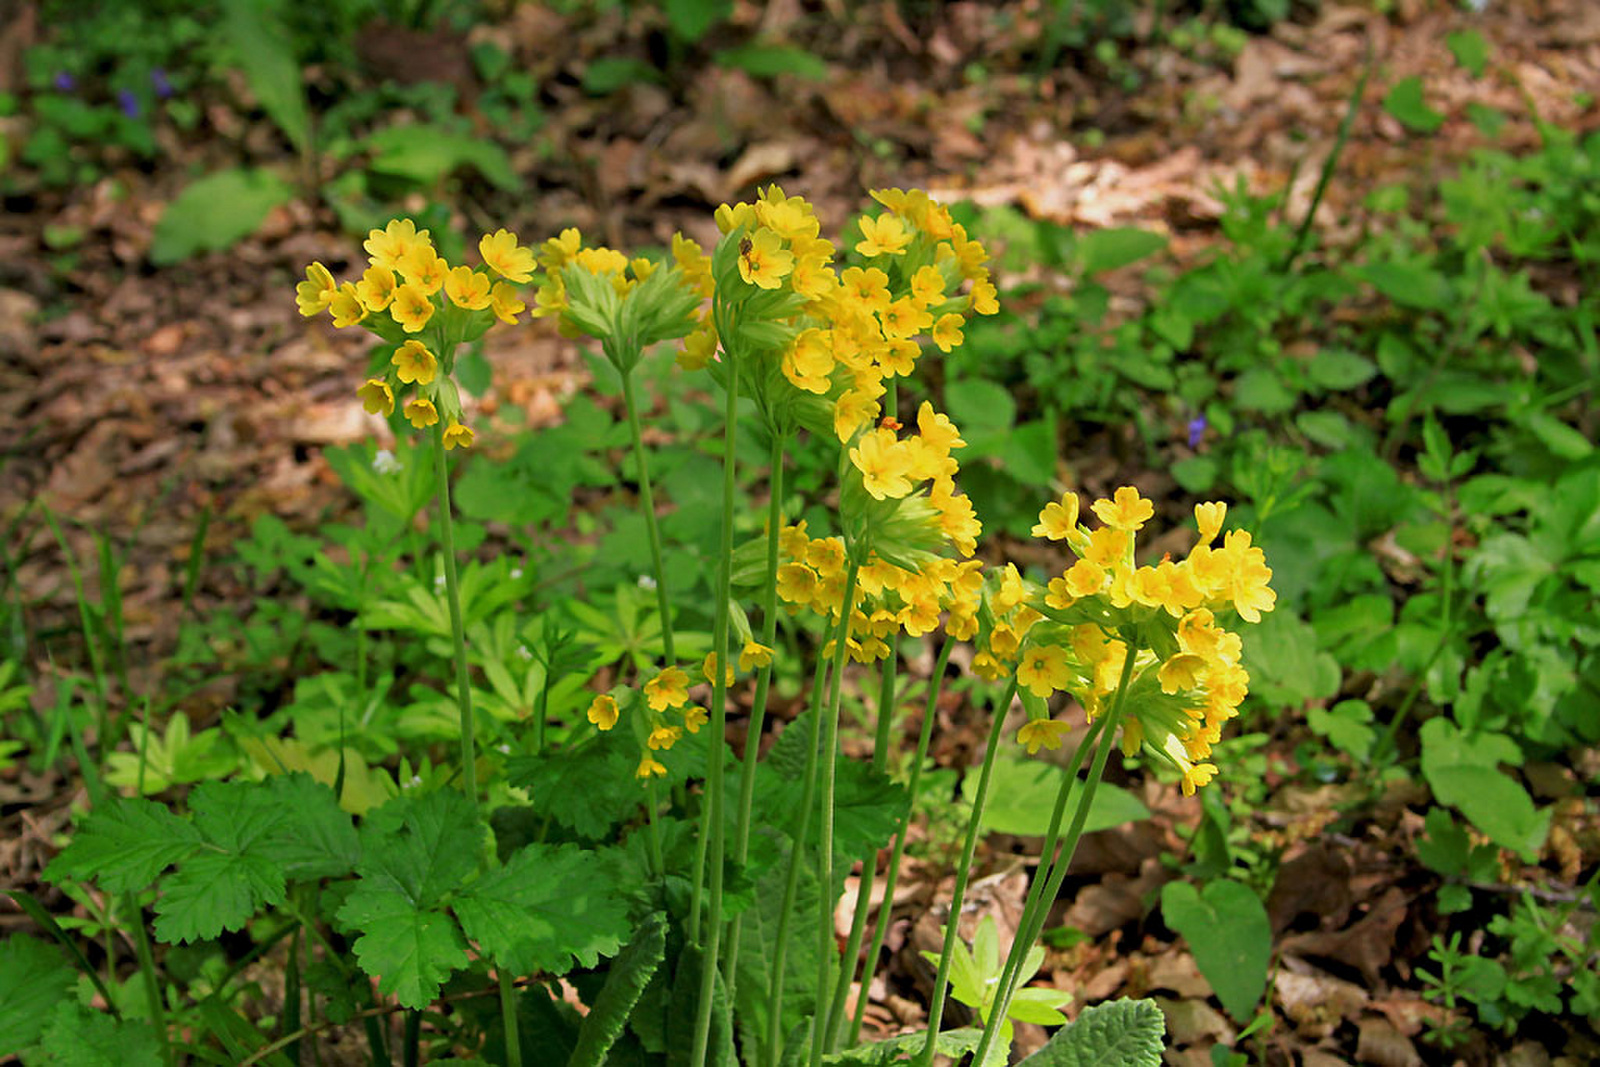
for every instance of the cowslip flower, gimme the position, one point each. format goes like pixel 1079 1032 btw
pixel 668 689
pixel 416 363
pixel 505 257
pixel 346 307
pixel 314 293
pixel 1059 519
pixel 377 397
pixel 882 236
pixel 763 261
pixel 1043 669
pixel 457 436
pixel 649 768
pixel 421 412
pixel 1127 510
pixel 411 308
pixel 603 711
pixel 468 289
pixel 1042 733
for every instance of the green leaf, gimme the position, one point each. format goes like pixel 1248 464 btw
pixel 758 950
pixel 221 887
pixel 588 790
pixel 1022 794
pixel 1287 666
pixel 415 849
pixel 1406 103
pixel 1337 368
pixel 317 838
pixel 1260 389
pixel 33 977
pixel 1413 285
pixel 544 909
pixel 425 154
pixel 980 407
pixel 216 212
pixel 1228 931
pixel 900 1050
pixel 1462 770
pixel 1470 50
pixel 77 1037
pixel 681 1014
pixel 1196 474
pixel 1121 1033
pixel 690 19
pixel 771 60
pixel 261 45
pixel 607 74
pixel 626 979
pixel 1104 250
pixel 124 845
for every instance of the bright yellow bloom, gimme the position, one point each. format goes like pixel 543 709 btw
pixel 669 689
pixel 984 298
pixel 424 268
pixel 763 261
pixel 1180 672
pixel 506 303
pixel 314 293
pixel 797 583
pixel 882 463
pixel 1127 511
pixel 1046 733
pixel 709 670
pixel 416 363
pixel 557 252
pixel 421 412
pixel 663 738
pixel 394 242
pixel 505 257
pixel 376 397
pixel 903 319
pixel 603 711
pixel 694 717
pixel 411 308
pixel 1084 578
pixel 882 236
pixel 457 436
pixel 1059 518
pixel 346 307
pixel 1209 518
pixel 1058 594
pixel 1044 669
pixel 1107 547
pixel 468 289
pixel 868 286
pixel 853 409
pixel 648 768
pixel 754 654
pixel 947 332
pixel 927 286
pixel 376 287
pixel 1248 588
pixel 698 348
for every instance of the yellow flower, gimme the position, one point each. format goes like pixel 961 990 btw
pixel 694 717
pixel 947 332
pixel 882 463
pixel 882 236
pixel 927 286
pixel 557 252
pixel 376 397
pixel 669 689
pixel 650 768
pixel 1248 587
pixel 395 241
pixel 663 738
pixel 754 654
pixel 1199 774
pixel 1046 733
pixel 870 286
pixel 698 348
pixel 424 268
pixel 1180 672
pixel 416 363
pixel 1127 511
pixel 468 289
pixel 763 261
pixel 346 307
pixel 984 298
pixel 1058 595
pixel 506 304
pixel 457 436
pixel 903 319
pixel 936 429
pixel 1209 518
pixel 603 711
pixel 1044 669
pixel 1059 518
pixel 421 412
pixel 314 293
pixel 376 287
pixel 411 308
pixel 797 583
pixel 1107 547
pixel 505 257
pixel 1084 578
pixel 709 670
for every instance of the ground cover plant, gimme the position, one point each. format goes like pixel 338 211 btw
pixel 859 664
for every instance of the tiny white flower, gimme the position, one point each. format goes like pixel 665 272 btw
pixel 505 750
pixel 516 572
pixel 416 780
pixel 438 581
pixel 522 650
pixel 384 462
pixel 646 582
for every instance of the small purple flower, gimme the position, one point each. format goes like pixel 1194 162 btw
pixel 65 81
pixel 128 102
pixel 1197 430
pixel 163 87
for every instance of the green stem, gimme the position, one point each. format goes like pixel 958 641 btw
pixel 469 761
pixel 869 861
pixel 791 887
pixel 1303 234
pixel 826 949
pixel 147 968
pixel 758 705
pixel 881 929
pixel 715 801
pixel 1032 923
pixel 648 505
pixel 963 872
pixel 508 1016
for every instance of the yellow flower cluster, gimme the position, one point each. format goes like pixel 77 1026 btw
pixel 1186 678
pixel 409 289
pixel 567 249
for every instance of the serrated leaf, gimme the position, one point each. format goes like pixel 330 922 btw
pixel 1462 770
pixel 588 790
pixel 34 976
pixel 410 950
pixel 626 979
pixel 77 1037
pixel 1123 1033
pixel 213 892
pixel 546 908
pixel 124 845
pixel 900 1050
pixel 1228 931
pixel 758 953
pixel 317 838
pixel 681 1015
pixel 215 212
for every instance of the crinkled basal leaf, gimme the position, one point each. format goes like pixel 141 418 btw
pixel 34 976
pixel 123 845
pixel 77 1037
pixel 902 1049
pixel 544 909
pixel 626 979
pixel 867 809
pixel 1121 1033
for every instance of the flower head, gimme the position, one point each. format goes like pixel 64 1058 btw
pixel 763 261
pixel 1045 733
pixel 457 436
pixel 416 363
pixel 603 711
pixel 668 689
pixel 505 257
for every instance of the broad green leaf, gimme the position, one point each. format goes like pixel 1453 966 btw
pixel 1260 389
pixel 1120 1033
pixel 690 19
pixel 124 845
pixel 771 60
pixel 214 892
pixel 758 954
pixel 903 1049
pixel 588 790
pixel 261 45
pixel 34 976
pixel 1406 103
pixel 1228 931
pixel 1470 50
pixel 681 1014
pixel 1287 667
pixel 546 908
pixel 1103 250
pixel 426 154
pixel 626 979
pixel 78 1037
pixel 1022 793
pixel 317 839
pixel 1413 285
pixel 1337 368
pixel 214 213
pixel 607 74
pixel 980 407
pixel 1462 770
pixel 410 950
